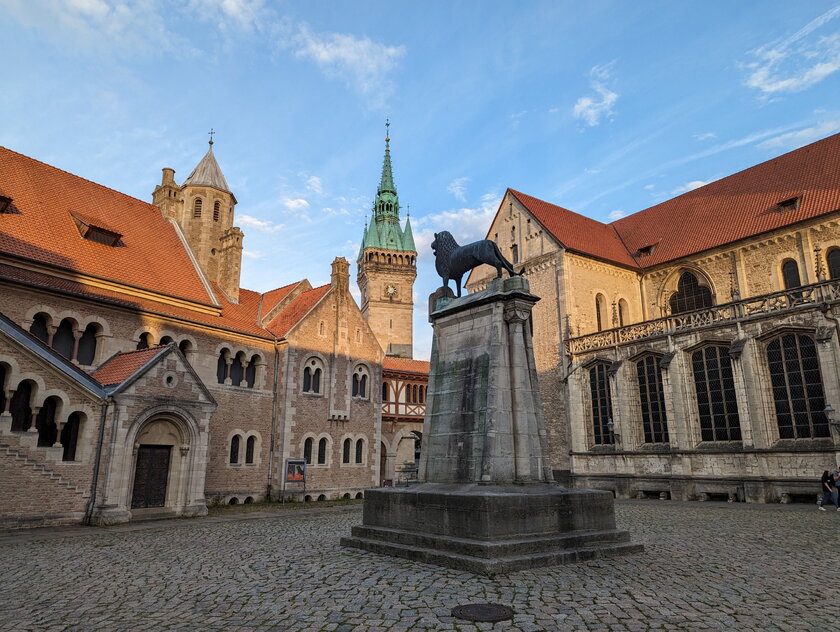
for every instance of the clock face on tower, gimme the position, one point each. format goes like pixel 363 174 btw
pixel 391 290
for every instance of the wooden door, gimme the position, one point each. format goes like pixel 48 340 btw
pixel 150 476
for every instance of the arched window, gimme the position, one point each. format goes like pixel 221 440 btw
pixel 690 295
pixel 197 208
pixel 599 390
pixel 45 422
pixel 790 274
pixel 834 264
pixel 623 311
pixel 312 376
pixel 307 451
pixel 21 406
pixel 251 371
pixel 63 340
pixel 236 369
pixel 145 341
pixel 384 391
pixel 514 254
pixel 360 450
pixel 87 344
pixel 422 394
pixel 345 451
pixel 39 327
pixel 185 346
pixel 234 449
pixel 322 452
pixel 716 403
pixel 222 366
pixel 600 311
pixel 250 444
pixel 360 380
pixel 70 436
pixel 797 387
pixel 215 211
pixel 652 399
pixel 166 340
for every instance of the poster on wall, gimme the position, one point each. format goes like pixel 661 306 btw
pixel 295 471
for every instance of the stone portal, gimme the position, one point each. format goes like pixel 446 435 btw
pixel 486 501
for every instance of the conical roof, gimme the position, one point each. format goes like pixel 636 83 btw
pixel 408 237
pixel 208 173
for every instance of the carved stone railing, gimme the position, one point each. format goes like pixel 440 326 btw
pixel 826 292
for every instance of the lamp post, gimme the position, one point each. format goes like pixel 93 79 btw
pixel 828 411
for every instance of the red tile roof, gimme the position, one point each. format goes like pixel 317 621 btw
pixel 122 366
pixel 405 364
pixel 727 210
pixel 150 255
pixel 273 297
pixel 296 310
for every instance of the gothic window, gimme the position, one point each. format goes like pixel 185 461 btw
pixel 360 450
pixel 21 406
pixel 307 451
pixel 360 381
pixel 790 274
pixel 834 264
pixel 70 436
pixel 45 422
pixel 222 366
pixel 197 208
pixel 234 449
pixel 145 341
pixel 250 444
pixel 384 391
pixel 63 340
pixel 312 376
pixel 87 345
pixel 797 387
pixel 716 403
pixel 215 211
pixel 690 295
pixel 652 399
pixel 39 327
pixel 599 390
pixel 600 311
pixel 322 452
pixel 514 254
pixel 345 451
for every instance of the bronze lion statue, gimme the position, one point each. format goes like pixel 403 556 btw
pixel 452 260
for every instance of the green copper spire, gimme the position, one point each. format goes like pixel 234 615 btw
pixel 408 236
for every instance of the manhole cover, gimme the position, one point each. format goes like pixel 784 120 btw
pixel 482 612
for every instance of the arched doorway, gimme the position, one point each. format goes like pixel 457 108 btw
pixel 384 467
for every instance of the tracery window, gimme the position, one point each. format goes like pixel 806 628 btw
pixel 234 449
pixel 833 260
pixel 716 403
pixel 312 376
pixel 360 381
pixel 652 399
pixel 599 390
pixel 690 295
pixel 790 274
pixel 797 387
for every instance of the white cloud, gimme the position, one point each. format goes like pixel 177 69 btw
pixel 793 140
pixel 465 224
pixel 705 136
pixel 261 225
pixel 648 187
pixel 690 186
pixel 252 254
pixel 313 183
pixel 296 204
pixel 616 214
pixel 458 188
pixel 362 63
pixel 797 62
pixel 593 109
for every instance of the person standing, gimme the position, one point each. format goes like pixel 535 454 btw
pixel 827 486
pixel 835 489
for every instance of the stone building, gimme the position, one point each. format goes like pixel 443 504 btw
pixel 690 350
pixel 137 378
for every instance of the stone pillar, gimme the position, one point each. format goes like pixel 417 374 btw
pixel 77 336
pixel 228 365
pixel 34 426
pixel 244 381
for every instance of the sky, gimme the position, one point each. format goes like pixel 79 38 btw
pixel 602 107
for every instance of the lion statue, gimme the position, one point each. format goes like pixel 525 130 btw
pixel 452 260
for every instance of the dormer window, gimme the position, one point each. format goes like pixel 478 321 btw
pixel 791 204
pixel 646 251
pixel 5 204
pixel 93 230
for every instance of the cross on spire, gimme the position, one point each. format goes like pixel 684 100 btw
pixel 211 132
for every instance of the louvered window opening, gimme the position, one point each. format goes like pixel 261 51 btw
pixel 599 388
pixel 652 399
pixel 716 402
pixel 797 387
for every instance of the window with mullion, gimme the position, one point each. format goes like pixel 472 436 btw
pixel 797 387
pixel 652 398
pixel 599 386
pixel 717 406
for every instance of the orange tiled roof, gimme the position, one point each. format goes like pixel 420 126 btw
pixel 122 366
pixel 296 310
pixel 273 297
pixel 405 364
pixel 727 210
pixel 151 255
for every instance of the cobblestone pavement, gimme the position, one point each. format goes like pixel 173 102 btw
pixel 706 566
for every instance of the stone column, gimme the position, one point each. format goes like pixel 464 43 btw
pixel 33 426
pixel 77 336
pixel 228 365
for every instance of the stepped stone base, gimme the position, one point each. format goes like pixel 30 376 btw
pixel 490 529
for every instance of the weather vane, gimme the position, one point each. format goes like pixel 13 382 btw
pixel 211 132
pixel 387 129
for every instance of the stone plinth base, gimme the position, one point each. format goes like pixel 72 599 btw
pixel 490 529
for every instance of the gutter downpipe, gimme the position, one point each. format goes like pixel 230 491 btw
pixel 96 462
pixel 273 420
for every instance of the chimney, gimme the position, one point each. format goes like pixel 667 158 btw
pixel 340 277
pixel 168 176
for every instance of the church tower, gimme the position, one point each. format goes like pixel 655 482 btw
pixel 203 208
pixel 387 267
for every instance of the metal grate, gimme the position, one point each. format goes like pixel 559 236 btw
pixel 797 387
pixel 716 403
pixel 599 386
pixel 486 612
pixel 652 399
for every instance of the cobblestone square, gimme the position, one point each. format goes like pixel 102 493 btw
pixel 707 566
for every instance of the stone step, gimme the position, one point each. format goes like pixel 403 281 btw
pixel 41 469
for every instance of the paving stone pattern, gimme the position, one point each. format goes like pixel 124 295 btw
pixel 706 567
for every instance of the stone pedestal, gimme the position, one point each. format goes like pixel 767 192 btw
pixel 486 501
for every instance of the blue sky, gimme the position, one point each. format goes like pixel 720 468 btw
pixel 604 108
